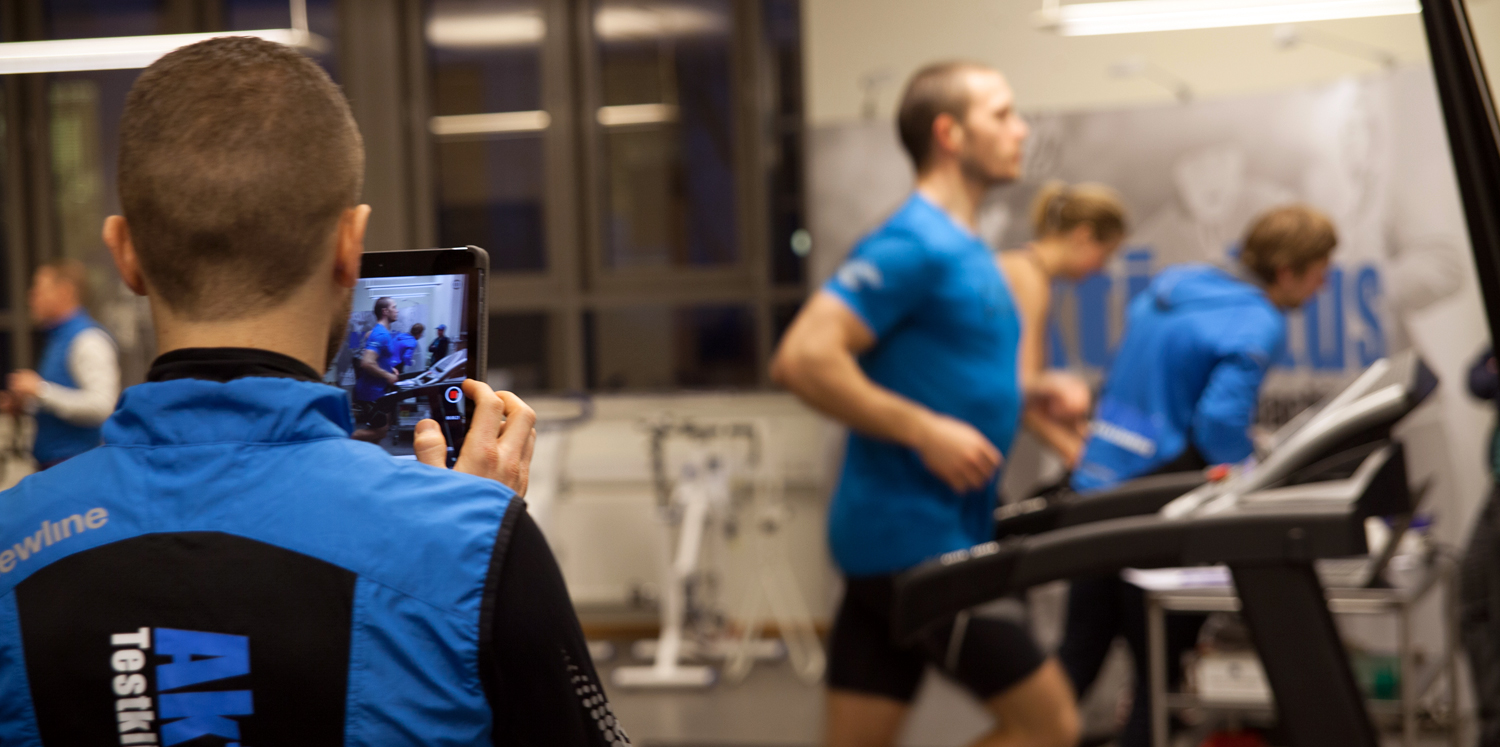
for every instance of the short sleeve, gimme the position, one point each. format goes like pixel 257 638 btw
pixel 378 341
pixel 884 281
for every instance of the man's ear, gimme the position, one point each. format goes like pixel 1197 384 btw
pixel 947 133
pixel 117 238
pixel 350 246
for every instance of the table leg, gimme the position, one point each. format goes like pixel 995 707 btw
pixel 1156 650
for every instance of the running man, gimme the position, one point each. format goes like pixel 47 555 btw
pixel 914 345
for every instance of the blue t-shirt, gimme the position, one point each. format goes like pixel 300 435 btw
pixel 1197 344
pixel 367 388
pixel 947 335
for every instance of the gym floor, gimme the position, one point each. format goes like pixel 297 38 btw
pixel 772 708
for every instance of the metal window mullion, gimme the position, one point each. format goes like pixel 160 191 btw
pixel 420 153
pixel 569 222
pixel 746 50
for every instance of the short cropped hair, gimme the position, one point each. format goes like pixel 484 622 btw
pixel 417 329
pixel 381 304
pixel 238 157
pixel 937 89
pixel 1292 237
pixel 1059 208
pixel 72 272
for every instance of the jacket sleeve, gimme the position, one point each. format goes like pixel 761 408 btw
pixel 95 368
pixel 541 682
pixel 1229 403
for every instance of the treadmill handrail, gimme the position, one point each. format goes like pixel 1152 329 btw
pixel 1387 404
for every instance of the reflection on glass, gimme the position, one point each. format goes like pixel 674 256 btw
pixel 490 195
pixel 518 352
pixel 666 348
pixel 667 121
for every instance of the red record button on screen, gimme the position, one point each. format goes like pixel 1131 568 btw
pixel 453 395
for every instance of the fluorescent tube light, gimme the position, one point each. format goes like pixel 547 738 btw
pixel 1132 16
pixel 626 115
pixel 126 52
pixel 498 123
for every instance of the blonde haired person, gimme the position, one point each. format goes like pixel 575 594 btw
pixel 1077 229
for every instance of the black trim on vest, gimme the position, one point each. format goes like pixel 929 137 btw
pixel 228 364
pixel 487 603
pixel 188 635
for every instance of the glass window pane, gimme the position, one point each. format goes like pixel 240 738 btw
pixel 486 55
pixel 86 19
pixel 322 19
pixel 490 195
pixel 659 347
pixel 485 59
pixel 668 133
pixel 518 352
pixel 790 241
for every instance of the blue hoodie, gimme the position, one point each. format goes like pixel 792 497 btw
pixel 1197 345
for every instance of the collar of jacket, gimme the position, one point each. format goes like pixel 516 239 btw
pixel 247 410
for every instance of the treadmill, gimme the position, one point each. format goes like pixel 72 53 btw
pixel 1059 507
pixel 1268 520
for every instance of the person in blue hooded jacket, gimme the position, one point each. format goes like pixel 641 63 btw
pixel 229 566
pixel 1181 394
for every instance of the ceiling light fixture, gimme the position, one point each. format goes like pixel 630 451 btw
pixel 129 52
pixel 1134 16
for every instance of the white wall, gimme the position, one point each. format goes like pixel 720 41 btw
pixel 845 41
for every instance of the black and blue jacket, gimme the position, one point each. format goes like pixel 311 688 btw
pixel 231 568
pixel 1186 380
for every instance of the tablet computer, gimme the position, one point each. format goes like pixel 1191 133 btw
pixel 417 328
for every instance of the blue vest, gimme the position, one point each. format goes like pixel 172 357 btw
pixel 57 439
pixel 260 463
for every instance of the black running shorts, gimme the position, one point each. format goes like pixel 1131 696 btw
pixel 987 655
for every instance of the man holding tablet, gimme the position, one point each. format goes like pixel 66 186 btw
pixel 914 345
pixel 229 563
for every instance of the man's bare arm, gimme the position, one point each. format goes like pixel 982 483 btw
pixel 817 361
pixel 369 362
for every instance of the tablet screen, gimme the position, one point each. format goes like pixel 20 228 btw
pixel 403 358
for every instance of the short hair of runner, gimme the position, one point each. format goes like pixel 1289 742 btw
pixel 417 330
pixel 72 272
pixel 238 157
pixel 939 88
pixel 381 304
pixel 1058 208
pixel 1290 237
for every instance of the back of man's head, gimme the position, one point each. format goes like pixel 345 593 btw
pixel 238 157
pixel 1292 237
pixel 939 88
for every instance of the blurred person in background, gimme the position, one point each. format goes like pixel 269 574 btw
pixel 438 350
pixel 1183 393
pixel 914 344
pixel 77 380
pixel 406 347
pixel 1077 229
pixel 1479 574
